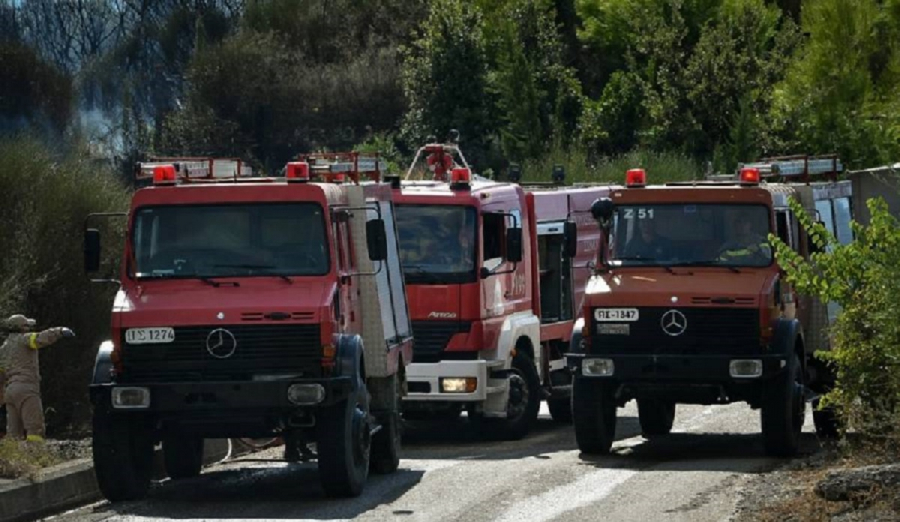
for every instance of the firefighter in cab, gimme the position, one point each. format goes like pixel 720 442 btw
pixel 25 413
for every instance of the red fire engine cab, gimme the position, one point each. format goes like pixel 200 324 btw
pixel 253 307
pixel 495 273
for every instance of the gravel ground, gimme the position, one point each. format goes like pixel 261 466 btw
pixel 789 493
pixel 70 449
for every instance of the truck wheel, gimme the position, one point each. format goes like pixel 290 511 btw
pixel 561 409
pixel 523 405
pixel 344 442
pixel 783 411
pixel 656 417
pixel 594 415
pixel 386 442
pixel 183 456
pixel 827 423
pixel 123 457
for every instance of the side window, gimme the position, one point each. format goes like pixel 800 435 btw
pixel 825 214
pixel 783 224
pixel 842 218
pixel 340 245
pixel 493 233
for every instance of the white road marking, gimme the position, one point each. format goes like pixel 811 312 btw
pixel 586 490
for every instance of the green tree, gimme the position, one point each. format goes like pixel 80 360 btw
pixel 841 93
pixel 739 59
pixel 863 278
pixel 538 96
pixel 445 79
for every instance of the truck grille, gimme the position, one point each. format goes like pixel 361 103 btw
pixel 431 337
pixel 710 331
pixel 260 350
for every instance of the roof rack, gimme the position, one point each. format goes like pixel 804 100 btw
pixel 334 166
pixel 797 168
pixel 195 168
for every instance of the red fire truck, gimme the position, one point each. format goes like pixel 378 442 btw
pixel 495 273
pixel 688 304
pixel 253 307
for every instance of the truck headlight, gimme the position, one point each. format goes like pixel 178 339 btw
pixel 130 398
pixel 459 384
pixel 746 368
pixel 305 394
pixel 598 367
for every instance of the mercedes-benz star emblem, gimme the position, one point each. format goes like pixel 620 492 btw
pixel 674 323
pixel 221 344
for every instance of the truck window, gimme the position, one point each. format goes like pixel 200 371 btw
pixel 493 233
pixel 787 228
pixel 842 218
pixel 230 240
pixel 691 234
pixel 438 243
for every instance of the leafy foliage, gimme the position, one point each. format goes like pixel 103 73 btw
pixel 863 278
pixel 44 200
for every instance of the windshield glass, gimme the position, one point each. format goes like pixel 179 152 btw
pixel 283 239
pixel 691 234
pixel 437 243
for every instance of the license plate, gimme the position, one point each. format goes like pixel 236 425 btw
pixel 614 329
pixel 616 315
pixel 157 335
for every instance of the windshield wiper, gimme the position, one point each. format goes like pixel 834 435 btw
pixel 264 268
pixel 419 271
pixel 734 269
pixel 212 282
pixel 646 260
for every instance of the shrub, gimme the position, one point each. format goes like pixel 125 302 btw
pixel 863 278
pixel 43 204
pixel 661 167
pixel 20 459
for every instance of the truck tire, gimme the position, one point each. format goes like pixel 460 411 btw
pixel 385 457
pixel 594 415
pixel 656 417
pixel 783 411
pixel 826 422
pixel 560 409
pixel 344 444
pixel 123 457
pixel 523 406
pixel 183 456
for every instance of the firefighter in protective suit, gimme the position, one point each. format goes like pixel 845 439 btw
pixel 25 413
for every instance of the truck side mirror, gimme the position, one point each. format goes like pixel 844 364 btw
pixel 514 245
pixel 602 210
pixel 91 250
pixel 570 236
pixel 376 240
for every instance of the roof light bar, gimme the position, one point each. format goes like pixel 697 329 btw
pixel 297 171
pixel 636 178
pixel 750 176
pixel 164 175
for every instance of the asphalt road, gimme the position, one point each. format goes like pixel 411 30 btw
pixel 447 474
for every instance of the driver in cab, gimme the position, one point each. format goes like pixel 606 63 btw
pixel 647 243
pixel 746 243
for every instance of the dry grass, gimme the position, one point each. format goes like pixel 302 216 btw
pixel 24 459
pixel 792 496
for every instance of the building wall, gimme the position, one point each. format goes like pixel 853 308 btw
pixel 882 182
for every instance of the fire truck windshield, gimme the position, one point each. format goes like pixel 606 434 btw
pixel 668 235
pixel 233 240
pixel 437 243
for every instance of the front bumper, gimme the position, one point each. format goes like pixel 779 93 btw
pixel 678 368
pixel 270 397
pixel 424 380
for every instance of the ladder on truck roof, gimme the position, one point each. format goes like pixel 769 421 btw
pixel 336 166
pixel 195 168
pixel 796 168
